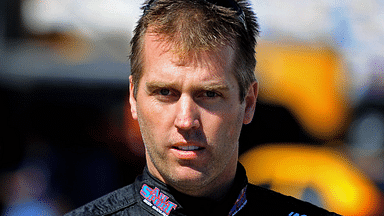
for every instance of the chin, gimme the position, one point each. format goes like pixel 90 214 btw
pixel 189 175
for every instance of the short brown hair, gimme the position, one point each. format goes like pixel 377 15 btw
pixel 202 26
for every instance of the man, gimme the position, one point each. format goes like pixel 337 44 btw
pixel 192 87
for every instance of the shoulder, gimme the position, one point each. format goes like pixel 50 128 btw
pixel 108 204
pixel 269 202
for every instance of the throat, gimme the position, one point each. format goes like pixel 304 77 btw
pixel 206 206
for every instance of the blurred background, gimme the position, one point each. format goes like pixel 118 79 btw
pixel 318 132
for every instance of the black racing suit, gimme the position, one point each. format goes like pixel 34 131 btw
pixel 149 196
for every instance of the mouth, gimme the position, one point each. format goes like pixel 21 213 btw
pixel 188 152
pixel 188 148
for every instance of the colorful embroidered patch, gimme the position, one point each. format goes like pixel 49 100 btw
pixel 157 200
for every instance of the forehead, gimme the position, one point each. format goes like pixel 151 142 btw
pixel 158 52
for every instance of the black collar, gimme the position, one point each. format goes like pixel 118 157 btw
pixel 154 195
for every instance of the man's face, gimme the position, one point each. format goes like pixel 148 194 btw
pixel 190 116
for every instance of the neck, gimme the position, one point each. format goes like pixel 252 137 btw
pixel 214 189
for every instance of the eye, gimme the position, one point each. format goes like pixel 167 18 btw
pixel 164 91
pixel 210 94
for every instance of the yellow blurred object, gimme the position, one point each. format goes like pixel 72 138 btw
pixel 73 48
pixel 309 80
pixel 290 169
pixel 70 46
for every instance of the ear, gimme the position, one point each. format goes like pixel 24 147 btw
pixel 250 102
pixel 132 99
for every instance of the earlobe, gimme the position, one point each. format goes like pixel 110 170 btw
pixel 132 99
pixel 250 102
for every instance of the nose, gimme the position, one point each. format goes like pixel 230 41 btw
pixel 187 114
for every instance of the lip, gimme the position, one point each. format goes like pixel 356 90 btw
pixel 187 151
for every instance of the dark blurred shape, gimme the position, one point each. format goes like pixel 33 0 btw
pixel 78 131
pixel 272 124
pixel 11 136
pixel 12 11
pixel 27 190
pixel 78 122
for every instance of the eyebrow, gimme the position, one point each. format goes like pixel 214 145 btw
pixel 151 86
pixel 216 87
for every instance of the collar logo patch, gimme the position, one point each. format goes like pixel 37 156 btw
pixel 157 200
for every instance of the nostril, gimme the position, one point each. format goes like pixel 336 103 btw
pixel 187 123
pixel 196 123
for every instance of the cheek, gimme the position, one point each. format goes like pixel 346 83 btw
pixel 234 127
pixel 151 111
pixel 235 124
pixel 154 120
pixel 224 126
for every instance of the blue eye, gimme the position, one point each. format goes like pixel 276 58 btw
pixel 165 92
pixel 210 94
